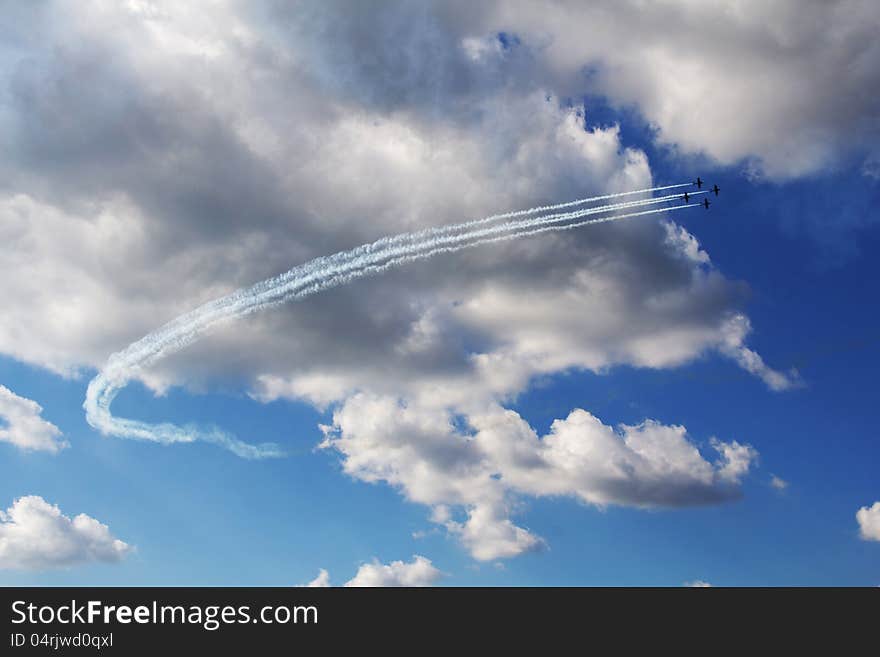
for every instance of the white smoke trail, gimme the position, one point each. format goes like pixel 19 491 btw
pixel 181 331
pixel 440 230
pixel 310 278
pixel 176 334
pixel 445 230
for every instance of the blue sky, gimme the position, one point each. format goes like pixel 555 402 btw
pixel 790 241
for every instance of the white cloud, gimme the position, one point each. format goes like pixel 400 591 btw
pixel 698 584
pixel 869 522
pixel 21 424
pixel 321 581
pixel 778 483
pixel 762 83
pixel 735 461
pixel 418 572
pixel 733 346
pixel 473 477
pixel 35 535
pixel 759 81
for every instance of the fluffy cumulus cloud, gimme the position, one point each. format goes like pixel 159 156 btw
pixel 418 572
pixel 472 476
pixel 157 155
pixel 785 86
pixel 868 518
pixel 35 535
pixel 206 150
pixel 22 425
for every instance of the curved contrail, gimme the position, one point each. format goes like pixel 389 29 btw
pixel 313 277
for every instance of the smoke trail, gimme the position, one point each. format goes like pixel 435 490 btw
pixel 439 230
pixel 183 330
pixel 310 278
pixel 178 332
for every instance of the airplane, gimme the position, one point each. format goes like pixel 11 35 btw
pixel 698 183
pixel 706 203
pixel 716 189
pixel 686 197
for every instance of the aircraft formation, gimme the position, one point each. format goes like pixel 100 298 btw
pixel 699 183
